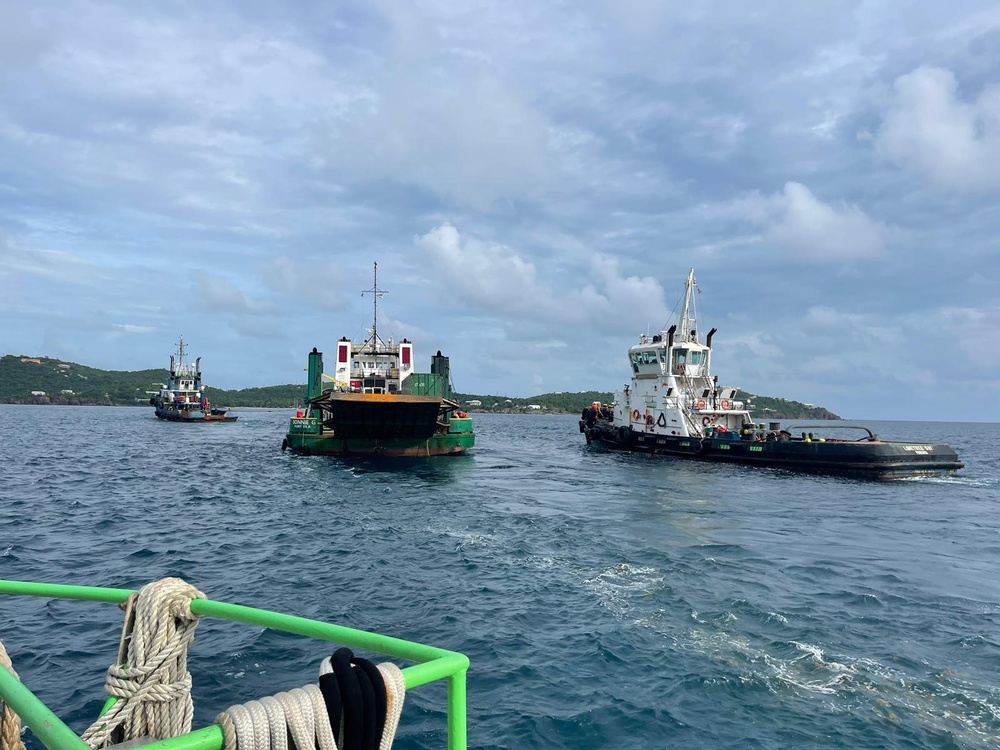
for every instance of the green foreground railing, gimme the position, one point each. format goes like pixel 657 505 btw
pixel 432 664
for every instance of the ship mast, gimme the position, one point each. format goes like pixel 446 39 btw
pixel 180 353
pixel 376 294
pixel 688 317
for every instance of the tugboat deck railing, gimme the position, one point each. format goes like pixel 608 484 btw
pixel 432 664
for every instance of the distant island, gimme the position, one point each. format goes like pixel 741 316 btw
pixel 43 380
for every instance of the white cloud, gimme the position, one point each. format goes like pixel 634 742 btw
pixel 494 278
pixel 809 229
pixel 19 261
pixel 129 328
pixel 976 333
pixel 470 138
pixel 930 128
pixel 219 295
pixel 487 274
pixel 306 281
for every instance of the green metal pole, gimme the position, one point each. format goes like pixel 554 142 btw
pixel 457 730
pixel 48 727
pixel 63 591
pixel 382 644
pixel 432 663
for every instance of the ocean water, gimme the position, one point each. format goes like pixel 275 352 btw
pixel 606 601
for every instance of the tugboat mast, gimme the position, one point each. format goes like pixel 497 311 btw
pixel 376 293
pixel 689 317
pixel 180 353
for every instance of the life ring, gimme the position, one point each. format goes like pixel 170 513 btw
pixel 706 421
pixel 649 420
pixel 725 403
pixel 636 416
pixel 701 404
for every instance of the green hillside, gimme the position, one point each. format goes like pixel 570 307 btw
pixel 42 380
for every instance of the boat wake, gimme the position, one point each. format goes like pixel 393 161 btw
pixel 618 586
pixel 940 700
pixel 956 480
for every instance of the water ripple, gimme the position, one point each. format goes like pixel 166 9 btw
pixel 605 600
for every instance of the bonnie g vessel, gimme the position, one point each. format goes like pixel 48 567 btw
pixel 375 403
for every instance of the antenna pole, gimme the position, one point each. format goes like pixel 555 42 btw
pixel 686 315
pixel 376 293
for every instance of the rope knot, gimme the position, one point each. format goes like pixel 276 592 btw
pixel 150 678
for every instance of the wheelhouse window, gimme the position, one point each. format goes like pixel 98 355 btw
pixel 644 357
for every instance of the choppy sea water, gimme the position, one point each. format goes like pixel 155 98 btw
pixel 604 600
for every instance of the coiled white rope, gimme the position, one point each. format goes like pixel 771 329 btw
pixel 395 692
pixel 152 682
pixel 10 723
pixel 301 715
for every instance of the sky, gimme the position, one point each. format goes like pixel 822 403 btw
pixel 534 180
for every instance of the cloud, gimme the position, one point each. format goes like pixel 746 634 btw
pixel 129 328
pixel 487 274
pixel 930 129
pixel 976 333
pixel 493 278
pixel 809 229
pixel 471 138
pixel 19 261
pixel 318 284
pixel 219 295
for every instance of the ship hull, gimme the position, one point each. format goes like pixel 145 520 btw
pixel 869 459
pixel 194 416
pixel 331 445
pixel 363 424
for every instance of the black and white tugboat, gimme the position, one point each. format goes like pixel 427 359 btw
pixel 183 398
pixel 674 406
